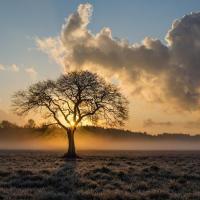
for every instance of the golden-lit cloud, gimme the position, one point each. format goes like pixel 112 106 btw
pixel 165 73
pixel 54 48
pixel 195 124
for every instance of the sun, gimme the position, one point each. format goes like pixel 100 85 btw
pixel 72 123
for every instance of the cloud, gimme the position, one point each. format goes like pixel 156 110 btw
pixel 166 73
pixel 53 48
pixel 150 123
pixel 2 68
pixel 192 124
pixel 14 68
pixel 31 72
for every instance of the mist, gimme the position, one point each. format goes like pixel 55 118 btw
pixel 92 138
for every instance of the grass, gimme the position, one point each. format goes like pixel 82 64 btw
pixel 100 176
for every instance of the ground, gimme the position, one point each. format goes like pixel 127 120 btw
pixel 100 175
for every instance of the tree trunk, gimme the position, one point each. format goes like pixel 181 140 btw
pixel 71 153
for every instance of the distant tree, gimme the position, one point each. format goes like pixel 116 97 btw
pixel 30 124
pixel 7 124
pixel 78 96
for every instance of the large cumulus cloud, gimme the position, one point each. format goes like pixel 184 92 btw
pixel 168 73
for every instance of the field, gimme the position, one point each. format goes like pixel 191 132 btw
pixel 136 175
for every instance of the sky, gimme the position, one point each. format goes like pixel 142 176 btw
pixel 155 63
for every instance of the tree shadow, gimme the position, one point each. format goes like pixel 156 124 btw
pixel 64 180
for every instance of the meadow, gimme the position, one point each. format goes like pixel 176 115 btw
pixel 100 175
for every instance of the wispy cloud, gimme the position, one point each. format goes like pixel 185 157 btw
pixel 14 68
pixel 150 123
pixel 31 72
pixel 2 68
pixel 195 124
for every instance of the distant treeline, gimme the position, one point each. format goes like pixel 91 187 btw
pixel 120 133
pixel 7 128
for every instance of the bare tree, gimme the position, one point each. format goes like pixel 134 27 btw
pixel 74 98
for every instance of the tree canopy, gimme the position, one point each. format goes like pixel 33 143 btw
pixel 75 97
